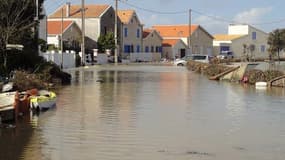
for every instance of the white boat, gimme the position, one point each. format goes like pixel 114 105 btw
pixel 261 84
pixel 43 100
pixel 7 87
pixel 7 99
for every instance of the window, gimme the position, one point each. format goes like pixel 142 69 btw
pixel 126 32
pixel 127 49
pixel 138 33
pixel 157 49
pixel 224 49
pixel 160 49
pixel 253 36
pixel 262 48
pixel 152 49
pixel 146 49
pixel 138 48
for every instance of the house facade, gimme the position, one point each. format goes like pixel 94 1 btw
pixel 152 41
pixel 130 33
pixel 201 42
pixel 242 39
pixel 71 34
pixel 173 48
pixel 99 19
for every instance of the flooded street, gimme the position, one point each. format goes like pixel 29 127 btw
pixel 141 112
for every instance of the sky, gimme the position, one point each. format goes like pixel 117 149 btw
pixel 212 15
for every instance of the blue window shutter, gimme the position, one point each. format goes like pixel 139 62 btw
pixel 253 35
pixel 126 32
pixel 138 33
pixel 146 49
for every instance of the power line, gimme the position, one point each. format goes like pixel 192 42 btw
pixel 153 11
pixel 216 18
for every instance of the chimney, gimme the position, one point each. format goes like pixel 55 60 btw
pixel 67 9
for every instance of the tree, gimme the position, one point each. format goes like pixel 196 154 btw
pixel 106 41
pixel 276 42
pixel 17 24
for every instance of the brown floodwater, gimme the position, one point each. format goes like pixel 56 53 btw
pixel 140 112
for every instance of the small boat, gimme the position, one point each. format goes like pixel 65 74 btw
pixel 7 87
pixel 43 100
pixel 7 107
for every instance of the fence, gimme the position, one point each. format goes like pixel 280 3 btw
pixel 66 59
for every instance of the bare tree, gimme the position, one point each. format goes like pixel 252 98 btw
pixel 16 17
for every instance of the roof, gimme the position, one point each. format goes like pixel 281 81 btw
pixel 54 27
pixel 125 15
pixel 174 30
pixel 146 32
pixel 170 42
pixel 92 11
pixel 226 37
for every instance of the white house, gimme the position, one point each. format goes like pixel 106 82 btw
pixel 239 39
pixel 201 42
pixel 99 19
pixel 71 33
pixel 173 48
pixel 152 41
pixel 131 32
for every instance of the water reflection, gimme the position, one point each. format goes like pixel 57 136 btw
pixel 147 112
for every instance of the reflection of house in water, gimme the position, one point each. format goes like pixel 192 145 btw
pixel 173 84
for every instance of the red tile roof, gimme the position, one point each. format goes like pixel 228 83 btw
pixel 175 30
pixel 125 15
pixel 54 27
pixel 92 11
pixel 146 32
pixel 169 42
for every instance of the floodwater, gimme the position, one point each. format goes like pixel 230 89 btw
pixel 141 112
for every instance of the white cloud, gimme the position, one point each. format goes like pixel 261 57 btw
pixel 211 25
pixel 253 15
pixel 155 19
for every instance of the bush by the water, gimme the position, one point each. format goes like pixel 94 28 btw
pixel 258 75
pixel 46 75
pixel 206 68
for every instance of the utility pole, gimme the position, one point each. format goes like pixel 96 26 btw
pixel 61 37
pixel 189 38
pixel 37 25
pixel 116 31
pixel 83 32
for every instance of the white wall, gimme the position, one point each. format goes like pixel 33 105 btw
pixel 145 57
pixel 238 29
pixel 68 58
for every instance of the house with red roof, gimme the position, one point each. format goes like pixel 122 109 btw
pixel 173 48
pixel 201 42
pixel 131 32
pixel 152 41
pixel 99 19
pixel 68 31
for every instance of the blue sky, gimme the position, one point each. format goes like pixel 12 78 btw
pixel 213 15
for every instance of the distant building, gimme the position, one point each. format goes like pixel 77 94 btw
pixel 130 31
pixel 173 48
pixel 201 42
pixel 99 19
pixel 71 34
pixel 240 39
pixel 152 41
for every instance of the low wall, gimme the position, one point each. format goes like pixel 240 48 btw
pixel 66 58
pixel 145 57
